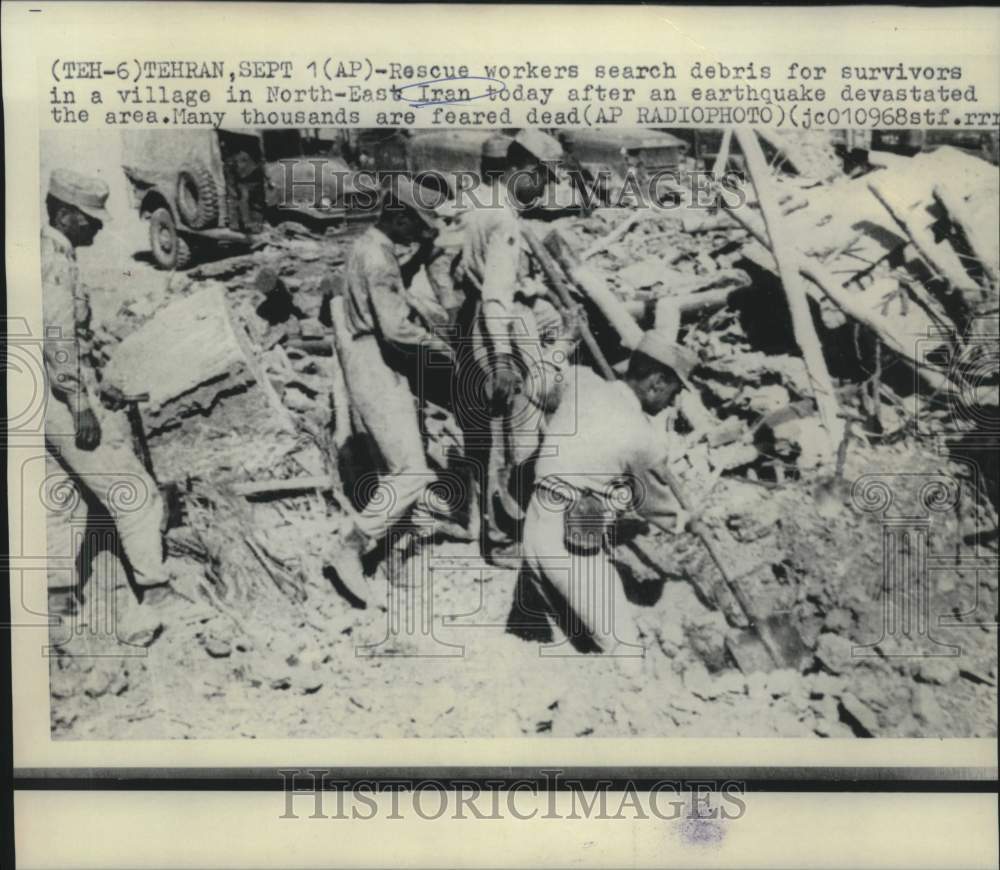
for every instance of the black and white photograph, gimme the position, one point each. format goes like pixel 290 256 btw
pixel 521 432
pixel 577 420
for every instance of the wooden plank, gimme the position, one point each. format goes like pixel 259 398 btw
pixel 795 289
pixel 913 219
pixel 305 483
pixel 853 304
pixel 977 216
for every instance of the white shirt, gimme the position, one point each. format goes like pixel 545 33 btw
pixel 599 436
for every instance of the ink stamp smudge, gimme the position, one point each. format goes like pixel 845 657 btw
pixel 702 832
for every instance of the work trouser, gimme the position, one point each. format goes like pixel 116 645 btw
pixel 388 412
pixel 472 405
pixel 579 585
pixel 493 445
pixel 113 474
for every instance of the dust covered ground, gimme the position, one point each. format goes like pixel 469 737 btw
pixel 278 650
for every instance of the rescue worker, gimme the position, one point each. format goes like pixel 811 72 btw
pixel 501 366
pixel 576 173
pixel 386 338
pixel 613 460
pixel 85 428
pixel 245 191
pixel 490 265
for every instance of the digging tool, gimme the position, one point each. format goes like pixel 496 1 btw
pixel 781 641
pixel 831 494
pixel 771 640
pixel 138 433
pixel 559 284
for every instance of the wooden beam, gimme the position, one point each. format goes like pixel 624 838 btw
pixel 796 290
pixel 980 232
pixel 618 232
pixel 294 484
pixel 823 282
pixel 592 284
pixel 941 257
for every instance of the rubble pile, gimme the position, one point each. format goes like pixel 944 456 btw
pixel 895 279
pixel 900 267
pixel 908 289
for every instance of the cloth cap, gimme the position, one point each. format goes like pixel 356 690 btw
pixel 404 191
pixel 83 191
pixel 539 145
pixel 495 148
pixel 659 346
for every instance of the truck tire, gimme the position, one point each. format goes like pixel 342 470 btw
pixel 170 250
pixel 197 196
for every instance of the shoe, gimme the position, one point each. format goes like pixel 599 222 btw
pixel 164 575
pixel 164 597
pixel 445 529
pixel 345 567
pixel 505 555
pixel 349 576
pixel 138 624
pixel 63 603
pixel 430 523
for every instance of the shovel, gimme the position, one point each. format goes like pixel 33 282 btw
pixel 831 494
pixel 138 432
pixel 771 641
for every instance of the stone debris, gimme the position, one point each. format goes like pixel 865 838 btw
pixel 216 648
pixel 834 652
pixel 858 714
pixel 938 670
pixel 927 709
pixel 250 404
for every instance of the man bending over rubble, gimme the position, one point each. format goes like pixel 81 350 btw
pixel 384 337
pixel 92 439
pixel 611 462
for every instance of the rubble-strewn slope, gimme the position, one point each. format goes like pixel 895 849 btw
pixel 267 647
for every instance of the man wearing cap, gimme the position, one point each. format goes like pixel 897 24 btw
pixel 491 239
pixel 84 426
pixel 385 336
pixel 612 461
pixel 501 323
pixel 576 173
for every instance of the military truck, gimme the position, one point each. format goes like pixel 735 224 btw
pixel 206 189
pixel 612 155
pixel 602 158
pixel 433 155
pixel 981 143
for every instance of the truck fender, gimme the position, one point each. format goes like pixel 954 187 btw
pixel 155 198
